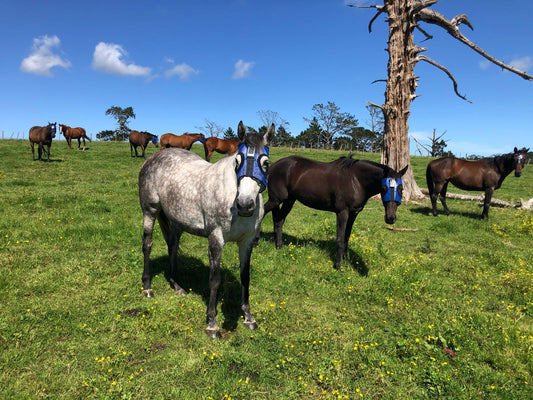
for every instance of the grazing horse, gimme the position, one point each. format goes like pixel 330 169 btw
pixel 42 135
pixel 342 186
pixel 73 133
pixel 222 146
pixel 486 174
pixel 184 141
pixel 220 201
pixel 141 139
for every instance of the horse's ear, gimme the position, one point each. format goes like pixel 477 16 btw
pixel 269 135
pixel 403 171
pixel 515 150
pixel 241 131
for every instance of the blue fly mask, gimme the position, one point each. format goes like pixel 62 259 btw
pixel 392 192
pixel 52 128
pixel 154 139
pixel 252 164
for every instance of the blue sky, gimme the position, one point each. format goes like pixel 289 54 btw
pixel 180 63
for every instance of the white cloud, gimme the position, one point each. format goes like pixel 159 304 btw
pixel 108 57
pixel 183 70
pixel 242 69
pixel 523 63
pixel 42 59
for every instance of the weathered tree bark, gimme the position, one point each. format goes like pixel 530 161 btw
pixel 479 197
pixel 403 17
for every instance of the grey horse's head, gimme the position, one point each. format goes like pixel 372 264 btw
pixel 251 166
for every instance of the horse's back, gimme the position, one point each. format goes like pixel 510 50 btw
pixel 194 194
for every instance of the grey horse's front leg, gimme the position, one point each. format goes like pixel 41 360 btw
pixel 216 243
pixel 245 252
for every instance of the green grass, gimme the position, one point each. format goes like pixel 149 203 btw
pixel 74 324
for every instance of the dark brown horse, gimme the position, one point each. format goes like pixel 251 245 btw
pixel 141 139
pixel 42 135
pixel 486 174
pixel 342 186
pixel 73 133
pixel 184 141
pixel 222 146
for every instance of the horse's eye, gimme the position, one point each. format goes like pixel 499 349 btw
pixel 263 163
pixel 238 161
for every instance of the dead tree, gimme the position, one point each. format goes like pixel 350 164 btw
pixel 403 17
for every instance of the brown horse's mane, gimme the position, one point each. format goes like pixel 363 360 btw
pixel 349 162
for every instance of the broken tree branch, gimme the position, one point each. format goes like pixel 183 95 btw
pixel 480 198
pixel 452 27
pixel 421 57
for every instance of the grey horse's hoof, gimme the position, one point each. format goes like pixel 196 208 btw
pixel 213 333
pixel 251 325
pixel 148 293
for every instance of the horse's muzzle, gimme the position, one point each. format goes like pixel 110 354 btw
pixel 517 173
pixel 390 219
pixel 246 209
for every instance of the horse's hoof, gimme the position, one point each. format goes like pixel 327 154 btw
pixel 213 333
pixel 148 293
pixel 251 325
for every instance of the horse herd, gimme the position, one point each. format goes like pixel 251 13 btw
pixel 222 201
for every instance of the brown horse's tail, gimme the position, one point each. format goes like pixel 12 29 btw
pixel 429 180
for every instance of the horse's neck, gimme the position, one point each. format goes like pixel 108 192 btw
pixel 505 164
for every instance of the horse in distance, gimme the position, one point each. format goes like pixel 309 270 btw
pixel 219 201
pixel 73 133
pixel 42 136
pixel 342 186
pixel 184 141
pixel 141 139
pixel 486 174
pixel 222 146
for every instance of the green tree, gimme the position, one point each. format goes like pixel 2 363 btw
pixel 230 134
pixel 312 136
pixel 332 122
pixel 106 135
pixel 121 115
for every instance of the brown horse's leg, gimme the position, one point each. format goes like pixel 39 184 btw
pixel 278 217
pixel 245 252
pixel 342 219
pixel 216 243
pixel 443 198
pixel 348 231
pixel 486 202
pixel 40 151
pixel 143 148
pixel 69 142
pixel 83 138
pixel 48 151
pixel 32 150
pixel 79 143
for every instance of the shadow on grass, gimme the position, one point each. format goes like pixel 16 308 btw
pixel 428 211
pixel 193 276
pixel 329 246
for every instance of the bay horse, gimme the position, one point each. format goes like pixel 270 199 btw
pixel 141 139
pixel 342 186
pixel 219 201
pixel 73 133
pixel 184 141
pixel 42 135
pixel 486 175
pixel 222 146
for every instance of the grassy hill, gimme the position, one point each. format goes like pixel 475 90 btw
pixel 442 312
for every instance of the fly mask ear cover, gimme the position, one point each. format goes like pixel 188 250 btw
pixel 392 190
pixel 253 164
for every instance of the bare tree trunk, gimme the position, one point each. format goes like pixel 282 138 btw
pixel 401 85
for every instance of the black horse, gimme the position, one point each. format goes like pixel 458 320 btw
pixel 342 186
pixel 486 174
pixel 42 136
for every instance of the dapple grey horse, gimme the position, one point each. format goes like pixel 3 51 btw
pixel 220 201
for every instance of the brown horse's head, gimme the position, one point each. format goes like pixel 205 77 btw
pixel 391 193
pixel 519 160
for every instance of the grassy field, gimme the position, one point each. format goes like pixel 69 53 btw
pixel 443 312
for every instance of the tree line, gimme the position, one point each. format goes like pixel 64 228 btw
pixel 329 128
